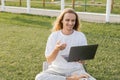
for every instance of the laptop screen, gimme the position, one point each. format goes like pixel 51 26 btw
pixel 85 52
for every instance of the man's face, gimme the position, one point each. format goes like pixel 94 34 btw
pixel 69 21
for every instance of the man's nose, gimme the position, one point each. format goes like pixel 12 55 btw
pixel 70 22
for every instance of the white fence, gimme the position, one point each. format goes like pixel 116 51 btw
pixel 92 17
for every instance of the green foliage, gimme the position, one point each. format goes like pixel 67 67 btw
pixel 23 39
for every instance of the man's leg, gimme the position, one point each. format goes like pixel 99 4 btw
pixel 48 76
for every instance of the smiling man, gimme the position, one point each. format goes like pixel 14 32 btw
pixel 65 34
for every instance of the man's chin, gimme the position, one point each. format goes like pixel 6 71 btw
pixel 70 29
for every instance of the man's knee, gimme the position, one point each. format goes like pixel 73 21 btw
pixel 39 77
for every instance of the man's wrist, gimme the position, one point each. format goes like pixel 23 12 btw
pixel 57 50
pixel 69 78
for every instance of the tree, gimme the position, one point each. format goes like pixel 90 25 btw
pixel 73 4
pixel 112 4
pixel 20 3
pixel 44 3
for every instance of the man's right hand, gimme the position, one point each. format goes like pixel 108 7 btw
pixel 60 46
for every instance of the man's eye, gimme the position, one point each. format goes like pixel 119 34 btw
pixel 67 20
pixel 73 20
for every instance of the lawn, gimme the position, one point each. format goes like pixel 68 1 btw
pixel 23 38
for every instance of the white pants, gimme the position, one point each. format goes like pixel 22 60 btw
pixel 52 75
pixel 47 76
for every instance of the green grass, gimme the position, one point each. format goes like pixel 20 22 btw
pixel 99 6
pixel 22 43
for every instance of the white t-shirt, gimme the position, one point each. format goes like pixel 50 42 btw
pixel 74 39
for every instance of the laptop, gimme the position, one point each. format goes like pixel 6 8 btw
pixel 85 52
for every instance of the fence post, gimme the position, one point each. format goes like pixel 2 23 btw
pixel 108 10
pixel 28 6
pixel 62 4
pixel 2 5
